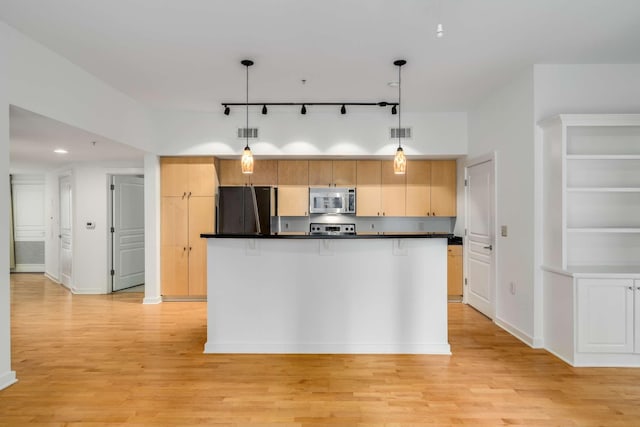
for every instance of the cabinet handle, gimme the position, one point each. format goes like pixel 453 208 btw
pixel 184 249
pixel 378 213
pixel 383 214
pixel 630 288
pixel 190 248
pixel 433 214
pixel 184 195
pixel 428 213
pixel 189 193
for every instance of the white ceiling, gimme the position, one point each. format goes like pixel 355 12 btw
pixel 186 54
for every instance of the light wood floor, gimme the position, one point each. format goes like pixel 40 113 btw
pixel 93 360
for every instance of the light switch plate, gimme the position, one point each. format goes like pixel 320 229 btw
pixel 503 231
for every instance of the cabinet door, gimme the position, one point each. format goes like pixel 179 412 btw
pixel 454 269
pixel 174 177
pixel 201 220
pixel 202 179
pixel 443 187
pixel 293 200
pixel 368 182
pixel 636 307
pixel 320 173
pixel 265 172
pixel 230 173
pixel 174 244
pixel 394 191
pixel 344 173
pixel 418 188
pixel 293 172
pixel 605 315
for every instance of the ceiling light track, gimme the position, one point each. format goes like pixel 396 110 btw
pixel 343 105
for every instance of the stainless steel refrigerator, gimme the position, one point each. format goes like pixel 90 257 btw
pixel 245 210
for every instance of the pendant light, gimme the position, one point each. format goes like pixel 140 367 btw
pixel 247 157
pixel 400 160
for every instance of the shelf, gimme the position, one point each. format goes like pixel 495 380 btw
pixel 629 230
pixel 603 189
pixel 603 156
pixel 604 269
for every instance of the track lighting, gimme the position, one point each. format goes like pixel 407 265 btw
pixel 246 162
pixel 264 109
pixel 226 110
pixel 394 110
pixel 343 109
pixel 400 160
pixel 303 110
pixel 342 105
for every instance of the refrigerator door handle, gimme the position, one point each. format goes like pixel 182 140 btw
pixel 255 209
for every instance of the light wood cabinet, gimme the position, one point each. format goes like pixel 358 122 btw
pixel 368 183
pixel 454 271
pixel 293 187
pixel 265 172
pixel 393 190
pixel 293 200
pixel 443 188
pixel 418 188
pixel 332 173
pixel 379 191
pixel 187 210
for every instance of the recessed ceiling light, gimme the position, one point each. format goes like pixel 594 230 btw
pixel 60 151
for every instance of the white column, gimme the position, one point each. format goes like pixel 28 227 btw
pixel 151 229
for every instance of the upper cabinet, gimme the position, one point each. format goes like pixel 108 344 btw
pixel 265 172
pixel 293 187
pixel 293 172
pixel 443 188
pixel 187 176
pixel 393 190
pixel 368 182
pixel 332 173
pixel 418 188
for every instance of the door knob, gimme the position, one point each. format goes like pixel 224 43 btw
pixel 490 247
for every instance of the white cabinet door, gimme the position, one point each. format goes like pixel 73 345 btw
pixel 605 315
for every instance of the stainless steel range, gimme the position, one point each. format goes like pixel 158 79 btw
pixel 332 229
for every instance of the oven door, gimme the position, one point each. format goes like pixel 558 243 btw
pixel 328 202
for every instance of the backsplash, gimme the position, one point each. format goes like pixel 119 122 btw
pixel 367 224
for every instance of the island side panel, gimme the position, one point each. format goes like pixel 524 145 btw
pixel 327 296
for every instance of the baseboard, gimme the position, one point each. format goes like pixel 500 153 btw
pixel 525 338
pixel 50 277
pixel 326 348
pixel 152 300
pixel 29 268
pixel 7 379
pixel 89 291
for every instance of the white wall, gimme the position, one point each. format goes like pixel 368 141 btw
pixel 503 122
pixel 7 376
pixel 321 133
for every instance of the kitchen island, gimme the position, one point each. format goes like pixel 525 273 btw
pixel 371 293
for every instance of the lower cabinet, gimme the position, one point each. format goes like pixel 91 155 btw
pixel 608 315
pixel 454 272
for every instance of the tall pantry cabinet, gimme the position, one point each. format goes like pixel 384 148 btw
pixel 188 187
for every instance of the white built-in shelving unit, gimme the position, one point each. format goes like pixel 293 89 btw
pixel 591 238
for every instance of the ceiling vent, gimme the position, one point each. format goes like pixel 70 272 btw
pixel 244 133
pixel 405 133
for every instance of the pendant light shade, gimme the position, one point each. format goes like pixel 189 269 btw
pixel 246 162
pixel 400 160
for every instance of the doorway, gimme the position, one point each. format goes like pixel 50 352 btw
pixel 480 247
pixel 126 212
pixel 65 235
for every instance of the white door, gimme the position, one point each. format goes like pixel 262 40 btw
pixel 65 234
pixel 127 232
pixel 480 195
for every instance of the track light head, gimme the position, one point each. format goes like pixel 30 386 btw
pixel 264 109
pixel 343 109
pixel 227 110
pixel 303 110
pixel 394 110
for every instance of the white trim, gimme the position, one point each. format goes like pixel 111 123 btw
pixel 50 277
pixel 7 379
pixel 87 291
pixel 522 336
pixel 153 300
pixel 327 348
pixel 564 359
pixel 29 268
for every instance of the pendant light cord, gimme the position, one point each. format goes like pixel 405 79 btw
pixel 399 105
pixel 246 130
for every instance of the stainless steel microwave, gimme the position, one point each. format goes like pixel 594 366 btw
pixel 332 200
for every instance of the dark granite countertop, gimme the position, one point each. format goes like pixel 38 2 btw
pixel 393 235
